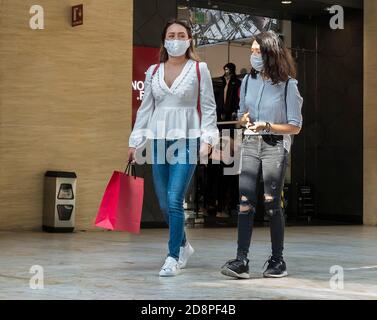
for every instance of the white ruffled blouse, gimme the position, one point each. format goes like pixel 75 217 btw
pixel 171 113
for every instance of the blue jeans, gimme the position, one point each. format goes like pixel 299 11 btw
pixel 171 181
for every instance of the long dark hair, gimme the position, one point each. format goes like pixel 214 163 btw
pixel 190 53
pixel 278 62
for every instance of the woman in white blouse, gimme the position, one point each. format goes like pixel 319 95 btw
pixel 178 112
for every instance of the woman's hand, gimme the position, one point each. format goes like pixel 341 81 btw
pixel 257 126
pixel 245 119
pixel 131 154
pixel 205 149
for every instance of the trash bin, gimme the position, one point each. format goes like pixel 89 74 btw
pixel 59 201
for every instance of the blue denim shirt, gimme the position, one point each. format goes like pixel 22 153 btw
pixel 266 102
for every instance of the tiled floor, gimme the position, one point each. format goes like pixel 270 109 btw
pixel 114 265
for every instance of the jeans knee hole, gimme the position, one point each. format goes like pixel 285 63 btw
pixel 245 207
pixel 268 198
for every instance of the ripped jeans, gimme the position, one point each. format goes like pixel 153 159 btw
pixel 262 154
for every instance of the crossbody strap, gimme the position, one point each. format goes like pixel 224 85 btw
pixel 155 69
pixel 199 80
pixel 247 81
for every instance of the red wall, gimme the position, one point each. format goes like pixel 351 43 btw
pixel 143 57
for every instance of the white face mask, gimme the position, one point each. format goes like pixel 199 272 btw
pixel 256 61
pixel 176 48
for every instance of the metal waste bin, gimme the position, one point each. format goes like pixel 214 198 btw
pixel 59 201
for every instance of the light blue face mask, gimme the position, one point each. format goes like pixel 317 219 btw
pixel 256 61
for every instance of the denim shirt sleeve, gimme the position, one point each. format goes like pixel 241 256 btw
pixel 242 108
pixel 294 104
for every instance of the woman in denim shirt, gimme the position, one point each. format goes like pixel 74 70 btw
pixel 270 110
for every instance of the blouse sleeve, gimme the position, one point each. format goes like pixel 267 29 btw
pixel 209 130
pixel 144 112
pixel 294 104
pixel 242 108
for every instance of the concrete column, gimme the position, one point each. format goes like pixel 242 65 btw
pixel 370 112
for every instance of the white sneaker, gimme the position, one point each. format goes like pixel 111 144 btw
pixel 184 254
pixel 170 268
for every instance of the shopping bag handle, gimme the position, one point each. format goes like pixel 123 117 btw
pixel 131 167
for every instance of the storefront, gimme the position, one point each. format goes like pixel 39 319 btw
pixel 315 185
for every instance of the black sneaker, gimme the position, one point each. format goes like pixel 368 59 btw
pixel 275 269
pixel 236 268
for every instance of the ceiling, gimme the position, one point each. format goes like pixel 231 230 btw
pixel 274 8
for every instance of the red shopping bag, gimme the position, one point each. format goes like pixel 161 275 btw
pixel 122 202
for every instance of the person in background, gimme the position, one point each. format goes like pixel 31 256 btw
pixel 220 189
pixel 230 94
